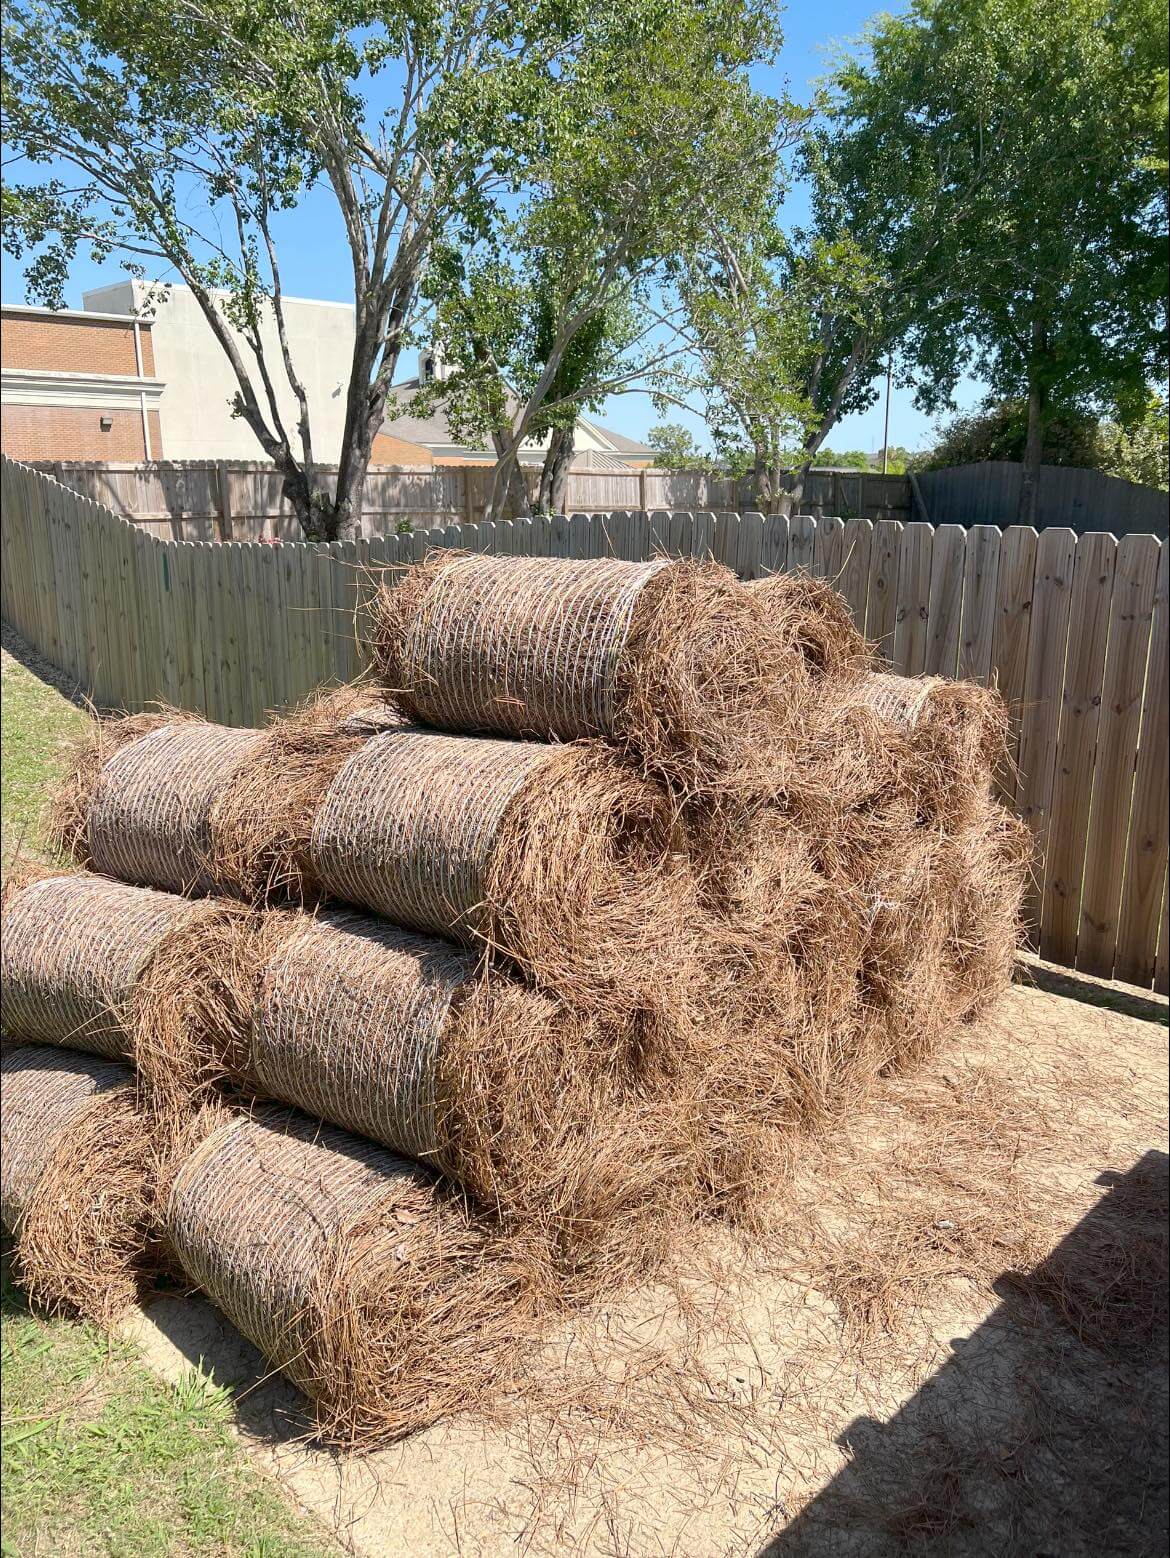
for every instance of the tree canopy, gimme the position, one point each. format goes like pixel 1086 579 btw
pixel 173 134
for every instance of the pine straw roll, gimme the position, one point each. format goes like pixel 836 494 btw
pixel 955 738
pixel 137 798
pixel 75 1155
pixel 674 661
pixel 374 1291
pixel 156 799
pixel 557 856
pixel 121 971
pixel 538 1114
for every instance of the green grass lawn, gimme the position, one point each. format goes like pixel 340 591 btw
pixel 100 1457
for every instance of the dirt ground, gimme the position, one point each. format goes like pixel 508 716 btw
pixel 950 1337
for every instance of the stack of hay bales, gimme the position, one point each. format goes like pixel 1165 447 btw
pixel 612 880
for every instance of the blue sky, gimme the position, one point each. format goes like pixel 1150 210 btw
pixel 315 263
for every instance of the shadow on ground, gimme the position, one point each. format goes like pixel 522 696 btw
pixel 1046 1431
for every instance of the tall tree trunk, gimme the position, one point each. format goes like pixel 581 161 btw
pixel 508 497
pixel 1034 446
pixel 793 494
pixel 554 475
pixel 763 487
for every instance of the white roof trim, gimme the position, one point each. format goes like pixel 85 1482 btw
pixel 96 391
pixel 85 315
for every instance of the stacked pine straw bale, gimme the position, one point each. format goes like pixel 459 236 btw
pixel 681 872
pixel 74 1180
pixel 379 1293
pixel 410 1041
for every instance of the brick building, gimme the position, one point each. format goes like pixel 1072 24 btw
pixel 78 386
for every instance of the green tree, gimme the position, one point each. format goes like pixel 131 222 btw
pixel 1141 451
pixel 675 448
pixel 173 135
pixel 1035 129
pixel 569 301
pixel 998 430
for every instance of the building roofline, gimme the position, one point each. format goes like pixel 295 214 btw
pixel 85 315
pixel 179 286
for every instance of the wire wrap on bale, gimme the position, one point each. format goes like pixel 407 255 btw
pixel 148 819
pixel 349 1021
pixel 675 661
pixel 127 972
pixel 557 856
pixel 373 1291
pixel 72 950
pixel 74 1161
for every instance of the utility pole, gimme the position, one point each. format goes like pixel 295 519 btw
pixel 886 439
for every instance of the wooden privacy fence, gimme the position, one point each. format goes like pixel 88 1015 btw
pixel 1074 630
pixel 240 500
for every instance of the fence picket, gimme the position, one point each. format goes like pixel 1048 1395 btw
pixel 829 549
pixel 912 616
pixel 1040 718
pixel 801 546
pixel 1092 587
pixel 945 608
pixel 751 537
pixel 1131 619
pixel 980 580
pixel 1145 883
pixel 703 535
pixel 774 545
pixel 680 534
pixel 883 586
pixel 1013 626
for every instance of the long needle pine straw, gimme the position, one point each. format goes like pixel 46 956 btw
pixel 824 638
pixel 74 1162
pixel 260 827
pixel 159 799
pixel 536 1112
pixel 556 856
pixel 677 662
pixel 126 972
pixel 373 1290
pixel 956 733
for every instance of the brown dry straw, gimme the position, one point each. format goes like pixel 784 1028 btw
pixel 675 661
pixel 956 734
pixel 988 865
pixel 819 624
pixel 137 802
pixel 260 826
pixel 74 1180
pixel 537 1113
pixel 125 972
pixel 558 856
pixel 373 1290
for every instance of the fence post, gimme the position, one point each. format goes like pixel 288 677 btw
pixel 224 521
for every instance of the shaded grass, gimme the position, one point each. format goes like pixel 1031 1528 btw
pixel 99 1457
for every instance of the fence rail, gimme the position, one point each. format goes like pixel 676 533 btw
pixel 1074 630
pixel 240 500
